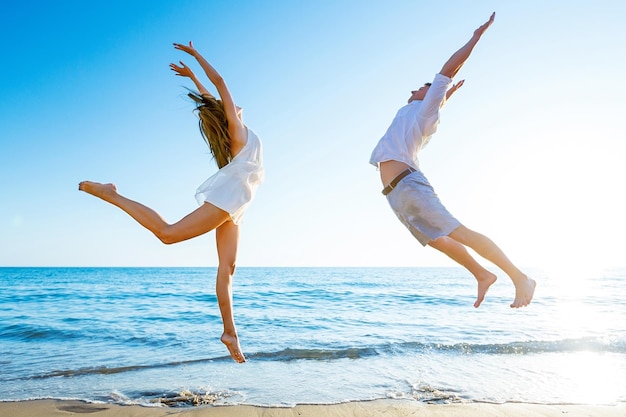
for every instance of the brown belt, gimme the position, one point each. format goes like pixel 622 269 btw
pixel 396 180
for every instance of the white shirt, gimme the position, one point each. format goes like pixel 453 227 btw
pixel 412 127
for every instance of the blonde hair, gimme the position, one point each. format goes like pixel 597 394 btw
pixel 213 127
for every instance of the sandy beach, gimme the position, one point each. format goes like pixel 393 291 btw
pixel 390 408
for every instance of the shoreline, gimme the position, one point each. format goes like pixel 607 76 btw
pixel 386 407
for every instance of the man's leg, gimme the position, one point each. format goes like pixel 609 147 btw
pixel 459 254
pixel 485 247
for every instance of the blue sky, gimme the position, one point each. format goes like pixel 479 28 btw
pixel 529 151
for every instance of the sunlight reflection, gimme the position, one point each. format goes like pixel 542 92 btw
pixel 576 292
pixel 590 377
pixel 573 281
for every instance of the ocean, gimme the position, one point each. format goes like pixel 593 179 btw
pixel 311 336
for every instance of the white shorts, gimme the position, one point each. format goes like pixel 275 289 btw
pixel 418 207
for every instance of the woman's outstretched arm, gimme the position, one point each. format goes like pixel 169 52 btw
pixel 236 128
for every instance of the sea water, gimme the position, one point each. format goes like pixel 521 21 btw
pixel 311 335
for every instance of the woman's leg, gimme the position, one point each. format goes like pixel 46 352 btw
pixel 485 247
pixel 202 220
pixel 227 237
pixel 459 254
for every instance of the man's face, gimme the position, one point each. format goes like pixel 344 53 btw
pixel 420 93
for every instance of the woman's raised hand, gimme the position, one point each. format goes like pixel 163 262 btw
pixel 187 48
pixel 182 70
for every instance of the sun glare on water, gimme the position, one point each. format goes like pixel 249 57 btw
pixel 589 377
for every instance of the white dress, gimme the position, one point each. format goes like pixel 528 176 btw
pixel 233 187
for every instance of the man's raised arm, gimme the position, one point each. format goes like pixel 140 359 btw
pixel 456 61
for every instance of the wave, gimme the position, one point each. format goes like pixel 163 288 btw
pixel 600 345
pixel 105 370
pixel 288 354
pixel 609 345
pixel 43 333
pixel 30 332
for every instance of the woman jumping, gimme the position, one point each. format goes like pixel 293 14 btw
pixel 223 198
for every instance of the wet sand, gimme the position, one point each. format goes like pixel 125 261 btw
pixel 387 408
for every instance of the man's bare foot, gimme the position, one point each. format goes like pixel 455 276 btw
pixel 484 282
pixel 524 292
pixel 232 343
pixel 103 191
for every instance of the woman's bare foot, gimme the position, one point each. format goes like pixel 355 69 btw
pixel 485 280
pixel 524 292
pixel 232 343
pixel 103 191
